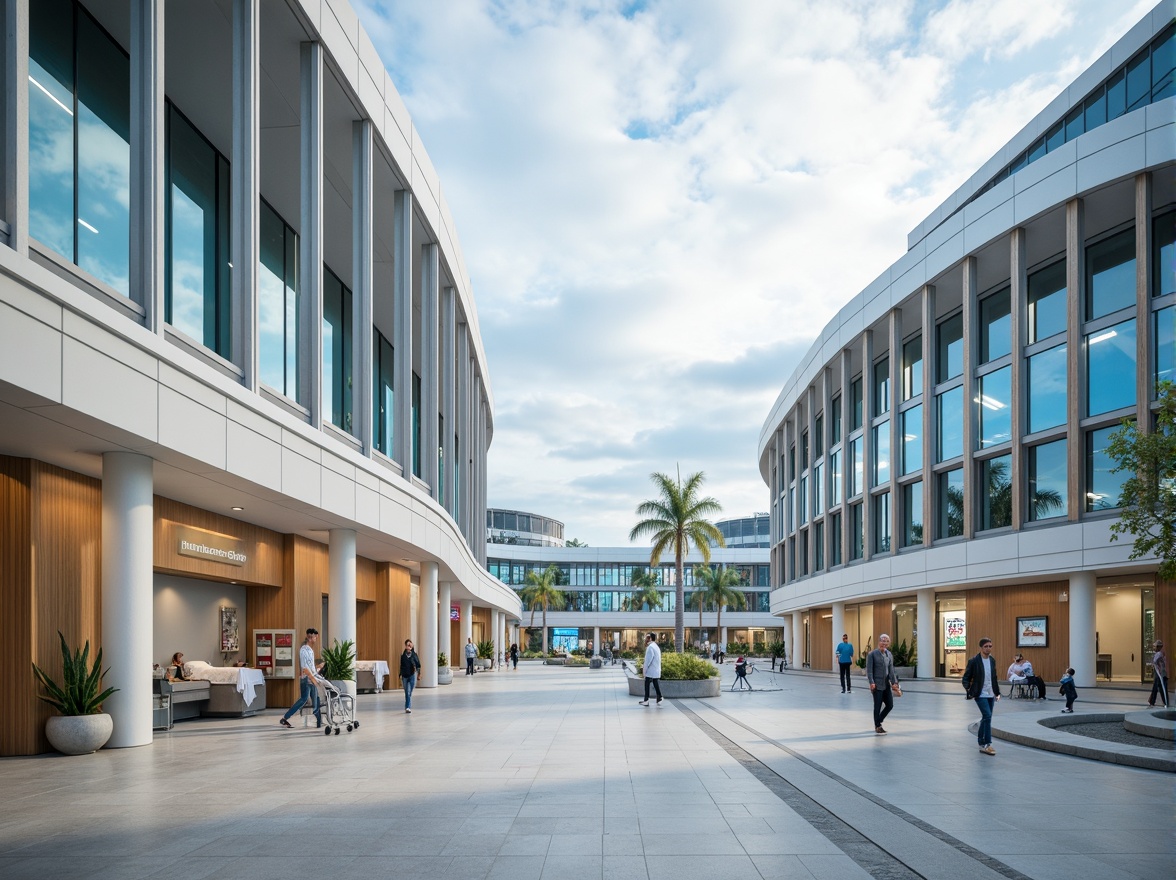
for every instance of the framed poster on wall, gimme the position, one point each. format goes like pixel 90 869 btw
pixel 1032 632
pixel 273 651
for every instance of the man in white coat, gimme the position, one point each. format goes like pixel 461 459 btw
pixel 652 668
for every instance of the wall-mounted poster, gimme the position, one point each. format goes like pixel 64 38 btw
pixel 230 636
pixel 273 651
pixel 955 630
pixel 455 612
pixel 1032 632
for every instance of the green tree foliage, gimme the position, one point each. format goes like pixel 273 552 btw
pixel 541 592
pixel 1147 501
pixel 719 587
pixel 646 591
pixel 1000 490
pixel 674 521
pixel 574 542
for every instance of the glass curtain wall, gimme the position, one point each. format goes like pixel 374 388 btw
pixel 277 304
pixel 337 351
pixel 385 393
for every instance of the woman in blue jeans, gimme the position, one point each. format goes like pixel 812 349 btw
pixel 410 665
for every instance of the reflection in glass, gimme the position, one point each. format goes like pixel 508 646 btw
pixel 1110 368
pixel 819 435
pixel 1102 487
pixel 1110 275
pixel 996 493
pixel 912 440
pixel 855 403
pixel 856 538
pixel 949 349
pixel 1047 302
pixel 277 304
pixel 949 414
pixel 835 477
pixel 818 490
pixel 336 388
pixel 950 503
pixel 384 405
pixel 802 499
pixel 51 115
pixel 881 453
pixel 1165 340
pixel 1047 387
pixel 1164 254
pixel 835 419
pixel 882 387
pixel 1047 480
pixel 857 472
pixel 880 515
pixel 912 514
pixel 819 546
pixel 995 407
pixel 835 539
pixel 912 368
pixel 996 327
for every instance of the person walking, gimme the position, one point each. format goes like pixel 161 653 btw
pixel 1068 690
pixel 309 682
pixel 652 668
pixel 981 685
pixel 514 656
pixel 882 680
pixel 471 651
pixel 1159 666
pixel 410 665
pixel 844 652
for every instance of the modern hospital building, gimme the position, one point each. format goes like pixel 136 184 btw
pixel 937 465
pixel 242 383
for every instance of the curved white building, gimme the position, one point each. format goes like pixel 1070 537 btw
pixel 937 464
pixel 240 363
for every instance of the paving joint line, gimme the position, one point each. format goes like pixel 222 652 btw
pixel 939 834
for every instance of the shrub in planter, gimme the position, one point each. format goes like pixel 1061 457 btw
pixel 339 661
pixel 82 727
pixel 485 650
pixel 683 667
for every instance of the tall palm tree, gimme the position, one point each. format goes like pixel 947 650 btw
pixel 541 591
pixel 646 592
pixel 719 586
pixel 676 520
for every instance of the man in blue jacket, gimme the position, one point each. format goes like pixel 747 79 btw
pixel 981 685
pixel 844 652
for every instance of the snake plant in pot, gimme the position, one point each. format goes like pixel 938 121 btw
pixel 82 727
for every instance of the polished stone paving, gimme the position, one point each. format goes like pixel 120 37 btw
pixel 551 773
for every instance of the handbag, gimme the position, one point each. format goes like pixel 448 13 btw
pixel 896 690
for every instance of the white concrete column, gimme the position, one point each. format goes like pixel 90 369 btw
pixel 1083 656
pixel 362 281
pixel 16 125
pixel 444 594
pixel 147 160
pixel 838 628
pixel 786 636
pixel 925 634
pixel 310 237
pixel 430 381
pixel 245 186
pixel 467 628
pixel 596 641
pixel 341 600
pixel 128 522
pixel 797 638
pixel 496 625
pixel 402 329
pixel 428 625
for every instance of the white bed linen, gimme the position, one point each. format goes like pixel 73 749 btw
pixel 379 668
pixel 245 679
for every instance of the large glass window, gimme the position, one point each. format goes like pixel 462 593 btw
pixel 1110 275
pixel 912 440
pixel 1164 254
pixel 197 278
pixel 1110 368
pixel 856 536
pixel 949 417
pixel 384 405
pixel 819 546
pixel 835 420
pixel 996 327
pixel 1165 341
pixel 336 350
pixel 995 408
pixel 835 539
pixel 882 387
pixel 880 520
pixel 416 424
pixel 804 451
pixel 1102 487
pixel 950 503
pixel 949 349
pixel 1047 480
pixel 996 493
pixel 857 472
pixel 881 454
pixel 819 436
pixel 855 404
pixel 79 141
pixel 835 477
pixel 802 499
pixel 912 514
pixel 277 304
pixel 1048 388
pixel 818 490
pixel 912 368
pixel 1047 302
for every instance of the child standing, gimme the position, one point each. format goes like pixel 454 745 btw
pixel 1068 690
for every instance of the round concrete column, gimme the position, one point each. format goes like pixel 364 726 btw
pixel 798 639
pixel 596 641
pixel 341 601
pixel 1083 656
pixel 838 628
pixel 467 628
pixel 496 629
pixel 427 626
pixel 786 637
pixel 925 634
pixel 128 527
pixel 444 592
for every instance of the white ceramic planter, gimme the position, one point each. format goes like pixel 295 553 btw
pixel 346 687
pixel 79 734
pixel 444 675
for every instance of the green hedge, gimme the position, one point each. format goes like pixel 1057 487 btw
pixel 683 667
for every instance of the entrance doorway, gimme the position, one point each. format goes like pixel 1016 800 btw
pixel 1125 626
pixel 951 643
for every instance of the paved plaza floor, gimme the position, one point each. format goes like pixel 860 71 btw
pixel 547 772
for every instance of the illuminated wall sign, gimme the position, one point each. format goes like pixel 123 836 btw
pixel 210 546
pixel 455 612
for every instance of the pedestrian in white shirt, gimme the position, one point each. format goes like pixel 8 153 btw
pixel 652 668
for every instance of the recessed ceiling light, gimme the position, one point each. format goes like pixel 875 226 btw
pixel 237 508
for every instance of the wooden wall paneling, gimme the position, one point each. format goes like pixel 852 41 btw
pixel 481 618
pixel 18 727
pixel 1166 618
pixel 265 549
pixel 821 634
pixel 456 657
pixel 399 616
pixel 371 615
pixel 883 621
pixel 367 579
pixel 1031 600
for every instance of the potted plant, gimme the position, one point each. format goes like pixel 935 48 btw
pixel 82 727
pixel 339 665
pixel 777 649
pixel 904 660
pixel 485 654
pixel 444 673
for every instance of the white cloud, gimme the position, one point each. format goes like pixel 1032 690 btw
pixel 662 204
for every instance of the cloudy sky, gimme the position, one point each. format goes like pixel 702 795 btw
pixel 662 203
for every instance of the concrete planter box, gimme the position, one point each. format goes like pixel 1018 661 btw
pixel 677 690
pixel 444 675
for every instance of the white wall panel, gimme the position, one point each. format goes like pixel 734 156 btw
pixel 30 353
pixel 192 428
pixel 109 390
pixel 253 456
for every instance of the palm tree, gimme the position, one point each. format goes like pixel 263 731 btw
pixel 541 590
pixel 1042 502
pixel 718 585
pixel 675 520
pixel 646 592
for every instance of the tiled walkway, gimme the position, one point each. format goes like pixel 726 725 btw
pixel 552 773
